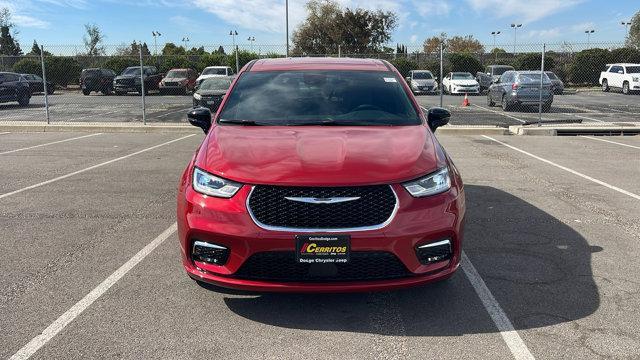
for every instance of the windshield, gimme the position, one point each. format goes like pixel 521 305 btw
pixel 501 70
pixel 177 74
pixel 215 84
pixel 320 98
pixel 551 76
pixel 90 72
pixel 135 70
pixel 422 75
pixel 633 69
pixel 215 71
pixel 532 78
pixel 462 76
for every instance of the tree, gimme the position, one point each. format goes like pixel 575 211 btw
pixel 464 62
pixel 464 44
pixel 587 64
pixel 220 50
pixel 625 55
pixel 532 61
pixel 196 51
pixel 35 50
pixel 93 40
pixel 171 49
pixel 432 44
pixel 328 26
pixel 404 65
pixel 8 44
pixel 633 40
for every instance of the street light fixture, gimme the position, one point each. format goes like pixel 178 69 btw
pixel 252 40
pixel 495 33
pixel 233 34
pixel 155 34
pixel 515 35
pixel 626 27
pixel 589 32
pixel 185 40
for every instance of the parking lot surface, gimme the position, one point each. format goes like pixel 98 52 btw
pixel 91 267
pixel 588 107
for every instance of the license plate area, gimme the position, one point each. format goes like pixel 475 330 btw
pixel 322 249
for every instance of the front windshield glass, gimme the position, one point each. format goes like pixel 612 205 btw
pixel 214 71
pixel 422 75
pixel 551 76
pixel 215 84
pixel 320 98
pixel 177 74
pixel 131 71
pixel 462 76
pixel 501 70
pixel 633 69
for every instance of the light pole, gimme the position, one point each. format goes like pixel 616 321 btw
pixel 515 35
pixel 233 34
pixel 185 40
pixel 252 40
pixel 155 42
pixel 626 28
pixel 286 6
pixel 589 32
pixel 495 33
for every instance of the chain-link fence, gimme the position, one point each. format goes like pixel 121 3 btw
pixel 108 87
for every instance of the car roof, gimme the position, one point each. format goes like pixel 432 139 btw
pixel 421 71
pixel 318 63
pixel 217 67
pixel 623 64
pixel 182 69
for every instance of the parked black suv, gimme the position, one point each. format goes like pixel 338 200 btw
pixel 14 87
pixel 36 84
pixel 96 79
pixel 129 80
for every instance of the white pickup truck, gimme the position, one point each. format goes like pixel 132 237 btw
pixel 621 76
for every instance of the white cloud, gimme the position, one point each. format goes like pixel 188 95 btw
pixel 583 26
pixel 28 21
pixel 413 38
pixel 545 34
pixel 432 7
pixel 522 11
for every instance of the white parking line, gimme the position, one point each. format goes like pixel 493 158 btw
pixel 91 168
pixel 510 336
pixel 4 133
pixel 65 319
pixel 609 141
pixel 47 144
pixel 599 182
pixel 173 112
pixel 584 117
pixel 499 113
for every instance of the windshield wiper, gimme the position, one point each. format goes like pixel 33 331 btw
pixel 239 122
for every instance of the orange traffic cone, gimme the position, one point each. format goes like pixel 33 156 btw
pixel 465 102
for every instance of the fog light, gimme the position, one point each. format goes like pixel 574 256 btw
pixel 434 252
pixel 209 253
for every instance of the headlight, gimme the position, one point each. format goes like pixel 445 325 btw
pixel 635 79
pixel 414 83
pixel 197 96
pixel 431 184
pixel 208 184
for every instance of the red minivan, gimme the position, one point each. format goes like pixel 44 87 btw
pixel 320 175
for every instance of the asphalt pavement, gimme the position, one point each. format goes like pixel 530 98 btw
pixel 91 267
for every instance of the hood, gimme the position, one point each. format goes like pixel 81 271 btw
pixel 209 76
pixel 211 92
pixel 174 79
pixel 319 156
pixel 464 82
pixel 128 76
pixel 423 82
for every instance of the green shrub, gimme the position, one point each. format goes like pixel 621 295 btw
pixel 215 59
pixel 625 55
pixel 61 70
pixel 119 63
pixel 243 58
pixel 28 66
pixel 176 62
pixel 404 65
pixel 465 63
pixel 587 65
pixel 532 61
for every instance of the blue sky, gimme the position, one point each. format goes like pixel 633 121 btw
pixel 208 22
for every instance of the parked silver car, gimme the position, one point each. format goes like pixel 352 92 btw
pixel 422 82
pixel 556 83
pixel 516 89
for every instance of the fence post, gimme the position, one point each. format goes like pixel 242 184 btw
pixel 441 70
pixel 44 80
pixel 544 48
pixel 144 115
pixel 339 51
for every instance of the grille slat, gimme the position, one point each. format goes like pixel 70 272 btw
pixel 270 208
pixel 282 266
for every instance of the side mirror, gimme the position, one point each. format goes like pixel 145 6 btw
pixel 408 78
pixel 620 72
pixel 437 117
pixel 200 117
pixel 496 81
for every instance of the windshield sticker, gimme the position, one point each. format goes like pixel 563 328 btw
pixel 390 79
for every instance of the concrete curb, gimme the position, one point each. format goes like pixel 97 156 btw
pixel 105 128
pixel 608 129
pixel 472 130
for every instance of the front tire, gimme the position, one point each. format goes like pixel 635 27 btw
pixel 625 88
pixel 505 104
pixel 85 92
pixel 490 102
pixel 605 85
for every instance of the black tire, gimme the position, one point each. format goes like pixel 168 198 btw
pixel 85 92
pixel 24 100
pixel 119 93
pixel 107 91
pixel 449 90
pixel 490 102
pixel 505 104
pixel 625 88
pixel 605 85
pixel 546 108
pixel 50 90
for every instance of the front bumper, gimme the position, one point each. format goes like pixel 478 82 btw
pixel 226 222
pixel 465 90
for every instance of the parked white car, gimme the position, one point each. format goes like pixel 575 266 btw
pixel 621 76
pixel 214 71
pixel 460 83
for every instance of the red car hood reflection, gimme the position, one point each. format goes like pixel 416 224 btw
pixel 319 155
